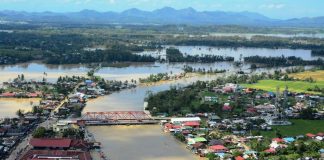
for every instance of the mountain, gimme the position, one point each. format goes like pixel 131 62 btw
pixel 166 15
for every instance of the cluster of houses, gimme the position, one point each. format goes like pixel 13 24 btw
pixel 12 131
pixel 204 141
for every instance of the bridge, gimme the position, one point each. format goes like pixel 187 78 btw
pixel 118 118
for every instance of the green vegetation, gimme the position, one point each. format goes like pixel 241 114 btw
pixel 294 86
pixel 317 75
pixel 299 127
pixel 189 69
pixel 282 61
pixel 174 55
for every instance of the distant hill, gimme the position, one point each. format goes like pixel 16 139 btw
pixel 166 15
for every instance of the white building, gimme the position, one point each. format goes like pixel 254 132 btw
pixel 185 119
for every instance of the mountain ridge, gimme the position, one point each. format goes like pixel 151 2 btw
pixel 163 16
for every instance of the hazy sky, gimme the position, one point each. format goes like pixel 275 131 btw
pixel 273 8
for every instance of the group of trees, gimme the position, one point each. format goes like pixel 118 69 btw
pixel 189 69
pixel 282 61
pixel 255 42
pixel 174 55
pixel 318 52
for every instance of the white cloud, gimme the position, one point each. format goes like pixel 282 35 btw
pixel 272 6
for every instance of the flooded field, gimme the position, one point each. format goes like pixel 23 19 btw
pixel 9 106
pixel 140 143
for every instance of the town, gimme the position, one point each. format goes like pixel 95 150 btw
pixel 236 119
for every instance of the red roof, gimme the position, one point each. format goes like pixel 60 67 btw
pixel 227 108
pixel 7 94
pixel 217 147
pixel 279 140
pixel 310 135
pixel 55 142
pixel 39 154
pixel 32 94
pixel 239 158
pixel 192 124
pixel 185 132
pixel 320 134
pixel 176 127
pixel 270 150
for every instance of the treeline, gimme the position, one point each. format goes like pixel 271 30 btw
pixel 56 48
pixel 189 69
pixel 317 53
pixel 282 61
pixel 18 56
pixel 255 42
pixel 97 56
pixel 174 55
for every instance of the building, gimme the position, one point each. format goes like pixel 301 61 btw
pixel 63 125
pixel 185 119
pixel 50 143
pixel 56 154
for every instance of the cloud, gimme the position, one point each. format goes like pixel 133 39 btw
pixel 272 6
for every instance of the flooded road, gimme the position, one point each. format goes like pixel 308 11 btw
pixel 9 106
pixel 146 142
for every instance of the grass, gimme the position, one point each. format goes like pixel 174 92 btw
pixel 316 75
pixel 294 86
pixel 299 127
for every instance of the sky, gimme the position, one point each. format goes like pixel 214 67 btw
pixel 279 9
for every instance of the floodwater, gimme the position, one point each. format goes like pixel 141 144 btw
pixel 9 106
pixel 235 52
pixel 146 142
pixel 35 70
pixel 250 35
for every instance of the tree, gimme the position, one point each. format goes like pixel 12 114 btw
pixel 307 113
pixel 211 156
pixel 20 113
pixel 40 132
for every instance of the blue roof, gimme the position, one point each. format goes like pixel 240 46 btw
pixel 220 154
pixel 250 152
pixel 88 81
pixel 321 150
pixel 289 139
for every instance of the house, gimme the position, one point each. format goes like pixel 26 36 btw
pixel 196 140
pixel 310 135
pixel 214 142
pixel 8 94
pixel 210 99
pixel 218 149
pixel 227 107
pixel 265 108
pixel 270 150
pixel 63 125
pixel 278 140
pixel 194 124
pixel 289 139
pixel 185 119
pixel 3 131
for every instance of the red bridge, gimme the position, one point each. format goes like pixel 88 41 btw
pixel 117 118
